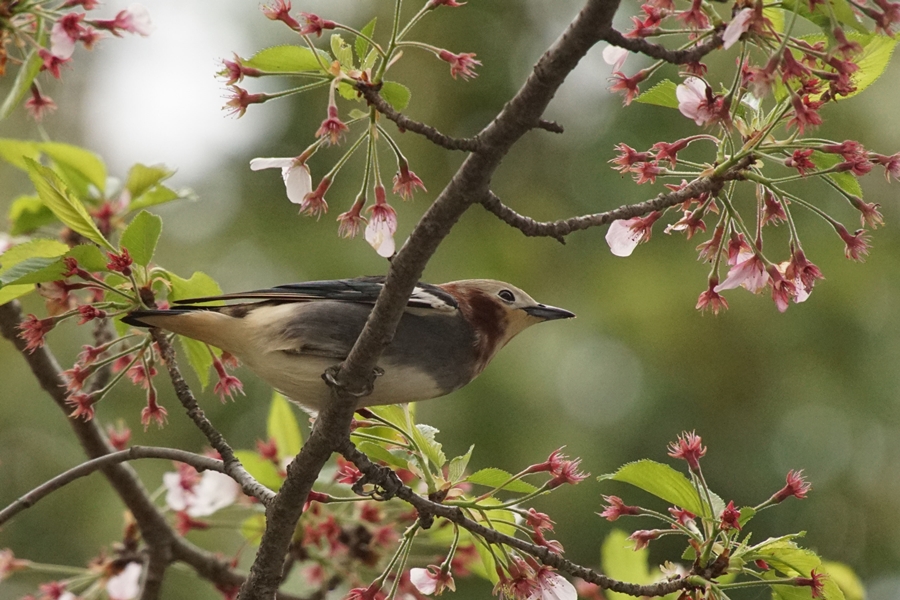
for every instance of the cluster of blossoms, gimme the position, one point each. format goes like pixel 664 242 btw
pixel 715 530
pixel 36 32
pixel 764 119
pixel 342 74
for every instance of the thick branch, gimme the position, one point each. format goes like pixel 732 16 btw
pixel 387 480
pixel 521 114
pixel 233 466
pixel 675 57
pixel 559 229
pixel 155 531
pixel 370 93
pixel 199 462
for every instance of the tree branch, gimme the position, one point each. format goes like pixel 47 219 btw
pixel 233 466
pixel 558 229
pixel 355 376
pixel 199 462
pixel 675 57
pixel 388 480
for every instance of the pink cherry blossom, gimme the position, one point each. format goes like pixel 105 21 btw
pixel 553 586
pixel 696 101
pixel 213 491
pixel 125 585
pixel 431 580
pixel 624 236
pixel 381 228
pixel 615 56
pixel 738 27
pixel 748 272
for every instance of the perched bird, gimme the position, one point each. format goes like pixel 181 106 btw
pixel 292 333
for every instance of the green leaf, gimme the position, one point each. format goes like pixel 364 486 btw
pixel 395 94
pixel 488 563
pixel 369 62
pixel 287 59
pixel 16 151
pixel 846 579
pixel 847 181
pixel 821 17
pixel 621 561
pixel 341 51
pixel 494 478
pixel 376 452
pixel 27 72
pixel 362 45
pixel 140 237
pixel 198 357
pixel 42 248
pixel 11 292
pixel 665 482
pixel 661 94
pixel 89 257
pixel 347 91
pixel 876 54
pixel 85 163
pixel 282 427
pixel 423 436
pixel 253 527
pixel 142 178
pixel 458 466
pixel 159 195
pixel 66 207
pixel 28 213
pixel 262 470
pixel 199 285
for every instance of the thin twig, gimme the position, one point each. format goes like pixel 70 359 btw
pixel 199 462
pixel 675 57
pixel 233 466
pixel 370 93
pixel 388 481
pixel 562 227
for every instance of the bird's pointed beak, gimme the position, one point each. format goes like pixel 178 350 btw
pixel 548 313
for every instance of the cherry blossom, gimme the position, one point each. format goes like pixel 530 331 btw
pixel 462 64
pixel 688 447
pixel 696 101
pixel 623 236
pixel 382 226
pixel 795 485
pixel 431 580
pixel 297 179
pixel 617 508
pixel 126 584
pixel 748 272
pixel 212 492
pixel 615 56
pixel 738 27
pixel 553 586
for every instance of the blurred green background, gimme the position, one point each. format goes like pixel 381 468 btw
pixel 816 388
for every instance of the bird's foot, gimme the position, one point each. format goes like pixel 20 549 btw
pixel 330 377
pixel 385 484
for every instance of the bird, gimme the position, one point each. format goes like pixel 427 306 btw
pixel 289 335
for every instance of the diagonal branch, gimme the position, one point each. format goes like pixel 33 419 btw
pixel 675 57
pixel 558 229
pixel 388 481
pixel 233 466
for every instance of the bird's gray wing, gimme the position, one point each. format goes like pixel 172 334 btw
pixel 363 290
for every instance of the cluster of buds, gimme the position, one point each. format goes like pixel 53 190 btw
pixel 714 530
pixel 343 75
pixel 70 24
pixel 798 76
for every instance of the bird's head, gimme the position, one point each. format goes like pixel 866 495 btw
pixel 499 311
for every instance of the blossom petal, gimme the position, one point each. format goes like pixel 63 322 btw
pixel 423 581
pixel 297 182
pixel 738 26
pixel 380 237
pixel 622 238
pixel 215 491
pixel 176 495
pixel 127 584
pixel 615 56
pixel 257 164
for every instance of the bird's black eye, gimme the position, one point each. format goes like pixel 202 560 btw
pixel 507 296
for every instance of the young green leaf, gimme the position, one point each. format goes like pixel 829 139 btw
pixel 423 435
pixel 846 579
pixel 64 205
pixel 85 164
pixel 140 237
pixel 458 466
pixel 15 152
pixel 395 94
pixel 200 284
pixel 142 178
pixel 253 527
pixel 25 260
pixel 494 478
pixel 621 561
pixel 286 59
pixel 661 94
pixel 159 195
pixel 282 427
pixel 374 451
pixel 665 482
pixel 262 470
pixel 847 181
pixel 11 292
pixel 198 357
pixel 876 54
pixel 362 45
pixel 89 257
pixel 341 51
